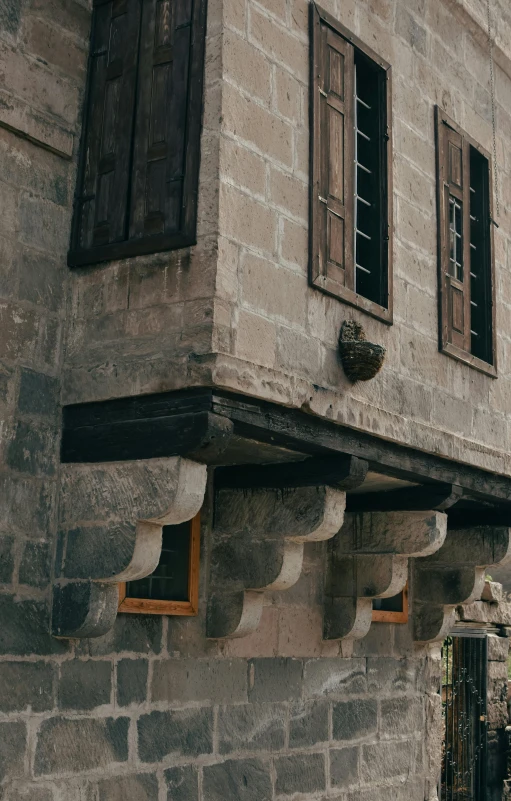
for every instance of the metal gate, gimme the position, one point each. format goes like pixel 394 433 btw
pixel 464 674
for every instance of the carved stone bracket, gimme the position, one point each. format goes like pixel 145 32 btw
pixel 258 543
pixel 111 520
pixel 368 559
pixel 454 575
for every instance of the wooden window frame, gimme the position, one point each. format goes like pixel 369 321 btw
pixel 187 236
pixel 190 608
pixel 318 271
pixel 380 616
pixel 446 345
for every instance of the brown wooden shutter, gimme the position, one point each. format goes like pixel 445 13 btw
pixel 161 119
pixel 102 204
pixel 453 183
pixel 332 200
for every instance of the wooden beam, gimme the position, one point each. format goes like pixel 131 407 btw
pixel 432 496
pixel 343 472
pixel 474 518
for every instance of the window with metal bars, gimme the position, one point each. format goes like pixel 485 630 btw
pixel 466 265
pixel 350 235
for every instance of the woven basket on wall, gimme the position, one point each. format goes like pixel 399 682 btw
pixel 361 360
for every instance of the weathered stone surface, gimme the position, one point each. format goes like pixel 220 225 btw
pixel 26 685
pixel 25 628
pixel 216 681
pixel 344 767
pixel 141 634
pixel 303 773
pixel 38 394
pixel 498 648
pixel 325 677
pixel 185 732
pixel 132 681
pixel 353 720
pixel 13 739
pixel 85 685
pixel 391 675
pixel 492 592
pixel 308 724
pixel 251 727
pixel 387 760
pixel 35 564
pixel 141 787
pixel 6 559
pixel 30 793
pixel 182 784
pixel 84 609
pixel 66 745
pixel 274 679
pixel 238 780
pixel 401 716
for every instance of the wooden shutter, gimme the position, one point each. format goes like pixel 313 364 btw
pixel 453 182
pixel 161 119
pixel 332 199
pixel 101 210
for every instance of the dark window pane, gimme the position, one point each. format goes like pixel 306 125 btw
pixel 393 604
pixel 169 582
pixel 480 259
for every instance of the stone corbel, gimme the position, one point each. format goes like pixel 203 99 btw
pixel 258 542
pixel 110 530
pixel 454 575
pixel 368 559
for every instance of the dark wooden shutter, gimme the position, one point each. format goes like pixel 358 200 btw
pixel 453 183
pixel 161 119
pixel 101 211
pixel 332 199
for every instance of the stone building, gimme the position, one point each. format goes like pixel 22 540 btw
pixel 193 203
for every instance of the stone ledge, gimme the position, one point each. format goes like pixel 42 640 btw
pixel 22 120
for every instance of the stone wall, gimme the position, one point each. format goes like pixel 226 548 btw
pixel 237 311
pixel 154 711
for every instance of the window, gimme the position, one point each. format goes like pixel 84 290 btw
pixel 391 610
pixel 173 588
pixel 138 172
pixel 465 251
pixel 351 195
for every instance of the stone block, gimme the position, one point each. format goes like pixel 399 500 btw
pixel 256 339
pixel 247 66
pixel 303 773
pixel 33 449
pixel 35 564
pixel 26 685
pixel 492 592
pixel 70 746
pixel 277 292
pixel 140 634
pixel 353 720
pixel 17 115
pixel 274 679
pixel 13 739
pixel 308 723
pixel 344 767
pixel 6 560
pixel 288 96
pixel 29 792
pixel 289 194
pixel 246 220
pixel 334 676
pixel 386 760
pixel 139 787
pixel 85 685
pixel 71 15
pixel 412 32
pixel 238 780
pixel 214 681
pixel 498 648
pixel 38 394
pixel 391 675
pixel 55 47
pixel 278 42
pixel 132 681
pixel 251 727
pixel 25 628
pixel 401 716
pixel 184 732
pixel 43 225
pixel 182 783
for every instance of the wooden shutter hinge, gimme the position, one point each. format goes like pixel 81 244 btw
pixel 323 200
pixel 322 92
pixel 449 126
pixel 494 222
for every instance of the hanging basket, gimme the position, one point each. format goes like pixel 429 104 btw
pixel 361 360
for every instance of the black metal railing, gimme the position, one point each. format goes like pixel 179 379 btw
pixel 464 699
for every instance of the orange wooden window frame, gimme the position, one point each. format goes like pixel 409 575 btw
pixel 380 616
pixel 148 606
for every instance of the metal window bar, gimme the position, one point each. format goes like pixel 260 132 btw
pixel 358 198
pixel 464 679
pixel 456 236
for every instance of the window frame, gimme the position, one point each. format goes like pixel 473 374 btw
pixel 382 616
pixel 445 341
pixel 318 277
pixel 158 243
pixel 190 608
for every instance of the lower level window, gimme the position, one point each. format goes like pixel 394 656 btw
pixel 173 588
pixel 391 610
